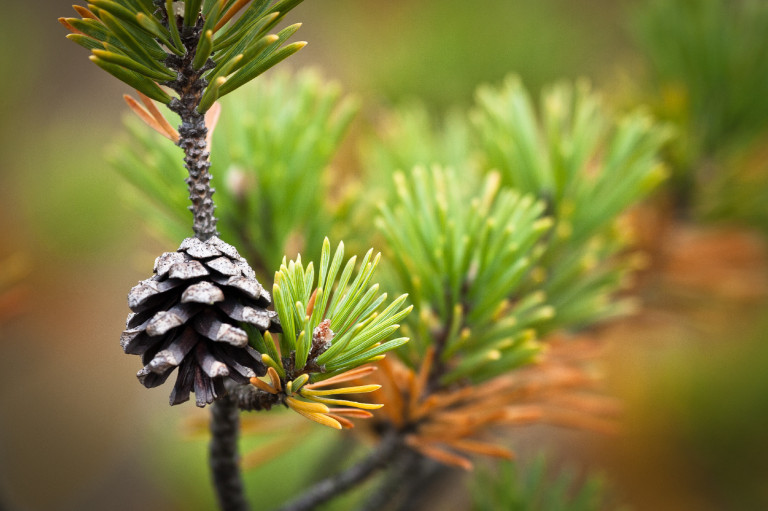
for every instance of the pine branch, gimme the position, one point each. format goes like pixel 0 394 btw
pixel 223 457
pixel 250 398
pixel 391 488
pixel 190 85
pixel 438 368
pixel 388 448
pixel 427 473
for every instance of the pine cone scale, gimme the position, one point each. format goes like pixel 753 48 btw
pixel 209 364
pixel 164 262
pixel 138 345
pixel 177 315
pixel 202 292
pixel 206 324
pixel 151 380
pixel 225 266
pixel 199 249
pixel 240 362
pixel 187 270
pixel 257 317
pixel 226 249
pixel 149 292
pixel 174 353
pixel 184 382
pixel 250 287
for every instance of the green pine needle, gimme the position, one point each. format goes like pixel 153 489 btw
pixel 350 310
pixel 135 80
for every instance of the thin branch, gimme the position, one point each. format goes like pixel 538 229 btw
pixel 390 445
pixel 250 398
pixel 391 489
pixel 223 455
pixel 426 474
pixel 190 85
pixel 438 366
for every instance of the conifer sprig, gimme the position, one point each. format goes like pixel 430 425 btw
pixel 197 49
pixel 589 166
pixel 585 163
pixel 226 42
pixel 331 323
pixel 465 256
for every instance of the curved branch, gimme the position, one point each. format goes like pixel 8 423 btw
pixel 391 488
pixel 329 488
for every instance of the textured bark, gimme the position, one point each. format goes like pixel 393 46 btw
pixel 249 398
pixel 224 459
pixel 190 85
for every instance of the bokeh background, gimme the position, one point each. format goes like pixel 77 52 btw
pixel 78 433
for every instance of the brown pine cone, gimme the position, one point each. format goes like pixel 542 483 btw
pixel 191 315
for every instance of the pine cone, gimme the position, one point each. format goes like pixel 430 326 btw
pixel 188 315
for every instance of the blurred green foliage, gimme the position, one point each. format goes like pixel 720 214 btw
pixel 409 136
pixel 709 68
pixel 478 278
pixel 589 165
pixel 510 486
pixel 736 188
pixel 74 215
pixel 708 72
pixel 464 253
pixel 180 462
pixel 440 50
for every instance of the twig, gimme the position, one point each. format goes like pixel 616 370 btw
pixel 426 474
pixel 225 469
pixel 249 398
pixel 440 336
pixel 391 488
pixel 190 85
pixel 329 488
pixel 438 365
